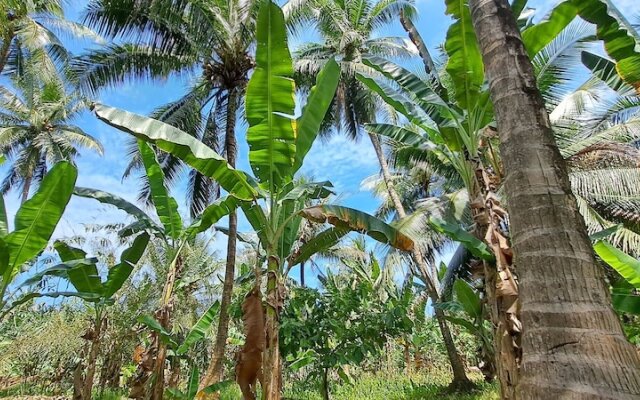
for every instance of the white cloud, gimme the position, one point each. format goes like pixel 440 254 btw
pixel 342 161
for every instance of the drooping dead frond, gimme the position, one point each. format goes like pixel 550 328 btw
pixel 249 359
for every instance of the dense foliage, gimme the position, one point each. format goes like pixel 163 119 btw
pixel 144 306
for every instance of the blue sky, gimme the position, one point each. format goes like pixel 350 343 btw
pixel 339 160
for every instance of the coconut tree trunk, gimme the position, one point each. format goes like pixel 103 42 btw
pixel 4 50
pixel 460 379
pixel 573 343
pixel 271 364
pixel 25 188
pixel 214 372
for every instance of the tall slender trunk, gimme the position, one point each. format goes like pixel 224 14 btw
pixel 302 274
pixel 271 364
pixel 325 384
pixel 573 343
pixel 460 379
pixel 214 372
pixel 94 352
pixel 25 188
pixel 6 46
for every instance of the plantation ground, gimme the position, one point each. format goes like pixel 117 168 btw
pixel 380 386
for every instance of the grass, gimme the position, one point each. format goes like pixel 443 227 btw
pixel 380 386
pixel 384 387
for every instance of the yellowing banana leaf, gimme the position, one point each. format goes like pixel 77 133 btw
pixel 358 221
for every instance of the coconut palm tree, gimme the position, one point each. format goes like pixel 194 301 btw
pixel 348 32
pixel 37 131
pixel 31 30
pixel 563 294
pixel 181 37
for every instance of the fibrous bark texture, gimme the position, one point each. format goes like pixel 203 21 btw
pixel 573 343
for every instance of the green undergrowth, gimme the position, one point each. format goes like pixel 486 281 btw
pixel 384 386
pixel 380 386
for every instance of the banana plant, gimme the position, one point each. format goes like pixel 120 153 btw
pixel 467 311
pixel 459 134
pixel 35 222
pixel 82 273
pixel 175 238
pixel 272 202
pixel 625 293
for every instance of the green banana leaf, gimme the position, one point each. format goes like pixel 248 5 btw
pixel 308 191
pixel 181 145
pixel 153 324
pixel 194 381
pixel 468 298
pixel 517 6
pixel 269 102
pixel 119 202
pixel 119 273
pixel 321 242
pixel 453 230
pixel 465 61
pixel 67 252
pixel 627 266
pixel 538 36
pixel 38 217
pixel 199 330
pixel 468 325
pixel 258 220
pixel 86 279
pixel 59 270
pixel 212 214
pixel 625 298
pixel 358 221
pixel 621 41
pixel 166 206
pixel 313 113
